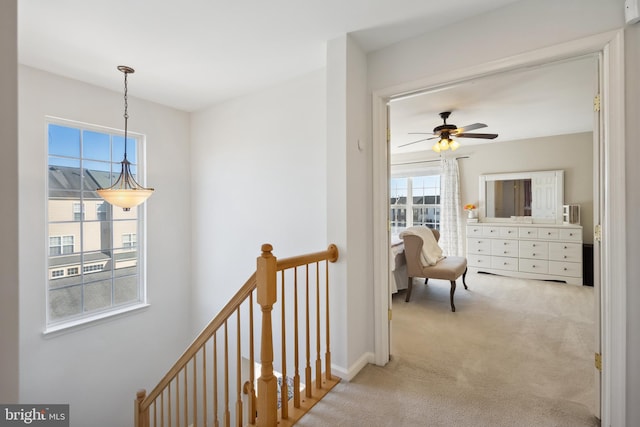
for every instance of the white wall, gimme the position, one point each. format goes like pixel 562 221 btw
pixel 9 288
pixel 517 28
pixel 258 168
pixel 98 368
pixel 349 195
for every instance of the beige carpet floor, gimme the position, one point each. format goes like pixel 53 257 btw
pixel 516 353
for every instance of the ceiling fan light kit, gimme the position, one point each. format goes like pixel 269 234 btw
pixel 445 131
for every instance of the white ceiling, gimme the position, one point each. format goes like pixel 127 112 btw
pixel 190 54
pixel 555 99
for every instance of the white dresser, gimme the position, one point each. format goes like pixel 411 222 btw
pixel 532 251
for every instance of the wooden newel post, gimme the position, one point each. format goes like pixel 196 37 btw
pixel 141 417
pixel 266 276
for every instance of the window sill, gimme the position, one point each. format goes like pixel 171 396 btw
pixel 78 324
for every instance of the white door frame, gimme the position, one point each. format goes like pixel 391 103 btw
pixel 613 289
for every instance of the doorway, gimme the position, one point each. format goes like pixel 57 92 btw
pixel 610 45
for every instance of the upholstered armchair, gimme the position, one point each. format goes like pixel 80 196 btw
pixel 447 268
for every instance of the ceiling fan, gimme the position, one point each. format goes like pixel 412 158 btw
pixel 446 131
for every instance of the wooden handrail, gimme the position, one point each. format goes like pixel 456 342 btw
pixel 203 337
pixel 331 255
pixel 185 370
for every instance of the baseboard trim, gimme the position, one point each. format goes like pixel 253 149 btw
pixel 349 374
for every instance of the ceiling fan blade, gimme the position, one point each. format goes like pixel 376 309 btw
pixel 477 135
pixel 415 142
pixel 468 128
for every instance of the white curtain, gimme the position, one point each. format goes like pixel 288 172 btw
pixel 450 209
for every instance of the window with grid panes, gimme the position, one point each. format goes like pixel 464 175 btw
pixel 414 200
pixel 104 271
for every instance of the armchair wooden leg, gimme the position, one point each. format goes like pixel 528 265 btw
pixel 463 277
pixel 453 291
pixel 409 286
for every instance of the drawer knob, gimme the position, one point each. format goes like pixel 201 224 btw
pixel 504 252
pixel 565 269
pixel 565 257
pixel 533 254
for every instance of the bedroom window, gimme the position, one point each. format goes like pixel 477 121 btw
pixel 96 245
pixel 414 200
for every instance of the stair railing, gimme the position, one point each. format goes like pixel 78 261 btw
pixel 199 387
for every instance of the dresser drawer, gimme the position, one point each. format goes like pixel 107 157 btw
pixel 509 232
pixel 571 252
pixel 534 249
pixel 530 232
pixel 503 247
pixel 474 231
pixel 548 233
pixel 570 269
pixel 572 234
pixel 478 246
pixel 504 263
pixel 533 266
pixel 491 231
pixel 479 261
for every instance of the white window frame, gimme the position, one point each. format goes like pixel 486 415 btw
pixel 409 205
pixel 129 240
pixel 62 244
pixel 53 326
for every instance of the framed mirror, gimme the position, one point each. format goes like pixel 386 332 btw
pixel 530 197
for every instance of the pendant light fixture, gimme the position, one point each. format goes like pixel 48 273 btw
pixel 125 192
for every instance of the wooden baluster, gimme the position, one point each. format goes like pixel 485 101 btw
pixel 318 360
pixel 215 381
pixel 267 386
pixel 195 391
pixel 227 414
pixel 296 375
pixel 204 385
pixel 327 356
pixel 252 362
pixel 155 414
pixel 186 398
pixel 169 404
pixel 307 369
pixel 162 409
pixel 178 399
pixel 141 416
pixel 238 373
pixel 284 388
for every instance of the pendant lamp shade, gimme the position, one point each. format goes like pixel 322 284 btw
pixel 125 192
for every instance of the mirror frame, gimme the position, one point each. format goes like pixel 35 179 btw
pixel 556 175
